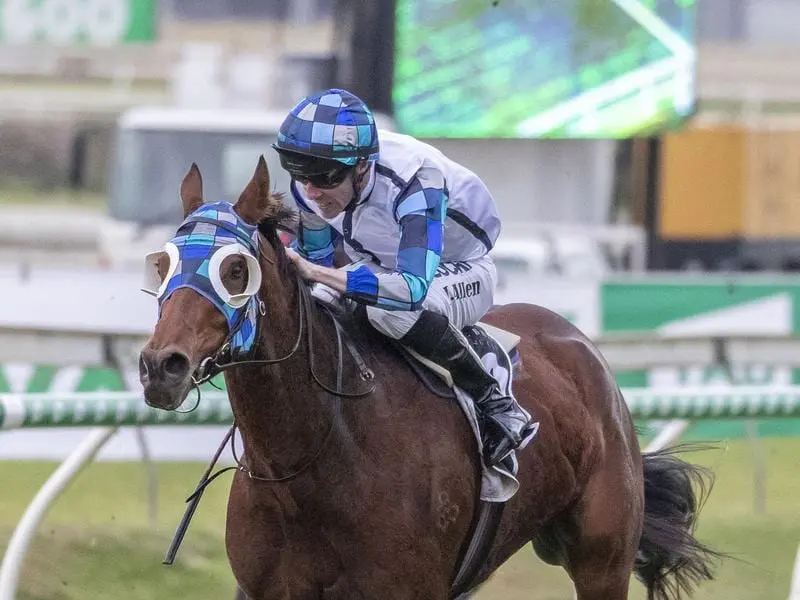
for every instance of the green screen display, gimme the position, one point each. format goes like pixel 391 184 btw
pixel 543 68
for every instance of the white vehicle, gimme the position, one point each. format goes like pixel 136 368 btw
pixel 155 147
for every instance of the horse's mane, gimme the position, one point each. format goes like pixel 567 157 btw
pixel 280 218
pixel 283 218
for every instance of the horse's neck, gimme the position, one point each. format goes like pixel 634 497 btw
pixel 282 414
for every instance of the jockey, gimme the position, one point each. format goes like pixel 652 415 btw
pixel 417 227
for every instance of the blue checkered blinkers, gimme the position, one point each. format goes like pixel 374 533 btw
pixel 203 241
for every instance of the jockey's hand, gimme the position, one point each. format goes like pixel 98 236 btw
pixel 333 278
pixel 304 267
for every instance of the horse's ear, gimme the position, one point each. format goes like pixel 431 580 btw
pixel 192 190
pixel 256 203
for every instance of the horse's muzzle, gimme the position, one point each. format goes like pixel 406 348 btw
pixel 165 376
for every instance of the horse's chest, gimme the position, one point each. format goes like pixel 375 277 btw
pixel 274 556
pixel 343 589
pixel 296 574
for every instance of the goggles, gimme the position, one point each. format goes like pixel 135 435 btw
pixel 324 181
pixel 323 173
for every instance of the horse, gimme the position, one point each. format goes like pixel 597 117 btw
pixel 357 482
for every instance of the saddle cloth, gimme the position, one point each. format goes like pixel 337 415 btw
pixel 493 345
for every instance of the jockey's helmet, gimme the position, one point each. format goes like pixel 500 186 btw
pixel 333 127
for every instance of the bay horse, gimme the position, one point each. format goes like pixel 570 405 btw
pixel 346 492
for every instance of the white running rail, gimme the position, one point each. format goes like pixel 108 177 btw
pixel 107 411
pixel 23 534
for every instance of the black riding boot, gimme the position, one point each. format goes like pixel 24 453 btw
pixel 505 424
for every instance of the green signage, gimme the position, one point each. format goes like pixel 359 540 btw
pixel 700 306
pixel 62 22
pixel 707 306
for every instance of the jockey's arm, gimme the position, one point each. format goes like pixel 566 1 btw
pixel 316 240
pixel 420 212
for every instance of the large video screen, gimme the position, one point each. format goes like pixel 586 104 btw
pixel 543 68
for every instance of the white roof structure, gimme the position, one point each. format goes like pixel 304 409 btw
pixel 227 120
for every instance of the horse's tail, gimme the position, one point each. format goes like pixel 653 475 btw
pixel 671 561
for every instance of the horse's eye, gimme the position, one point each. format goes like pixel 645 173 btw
pixel 234 274
pixel 237 270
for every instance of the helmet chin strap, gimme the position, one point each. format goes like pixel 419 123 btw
pixel 357 182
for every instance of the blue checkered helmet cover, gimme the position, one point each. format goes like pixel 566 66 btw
pixel 198 238
pixel 333 124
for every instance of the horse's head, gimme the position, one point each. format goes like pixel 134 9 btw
pixel 207 281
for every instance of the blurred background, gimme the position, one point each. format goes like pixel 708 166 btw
pixel 645 158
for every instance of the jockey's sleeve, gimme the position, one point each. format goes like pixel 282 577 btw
pixel 316 240
pixel 420 212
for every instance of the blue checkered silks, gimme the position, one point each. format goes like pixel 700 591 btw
pixel 333 124
pixel 206 236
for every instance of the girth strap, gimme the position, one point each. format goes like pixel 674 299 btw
pixel 480 543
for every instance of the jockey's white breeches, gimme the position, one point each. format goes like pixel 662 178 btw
pixel 462 291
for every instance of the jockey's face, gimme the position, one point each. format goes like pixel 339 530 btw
pixel 332 201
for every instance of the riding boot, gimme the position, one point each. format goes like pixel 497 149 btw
pixel 505 424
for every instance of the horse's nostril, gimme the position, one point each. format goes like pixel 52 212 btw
pixel 176 365
pixel 144 366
